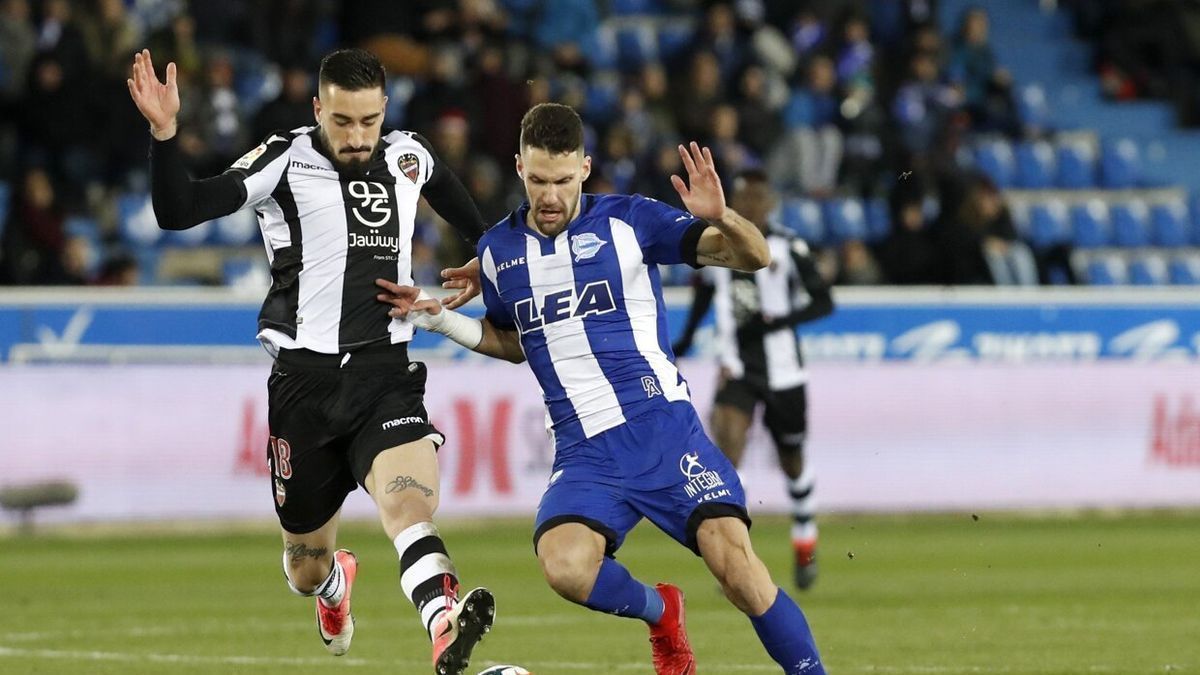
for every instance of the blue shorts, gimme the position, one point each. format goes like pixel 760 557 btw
pixel 659 465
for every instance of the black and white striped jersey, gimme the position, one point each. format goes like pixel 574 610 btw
pixel 329 234
pixel 756 314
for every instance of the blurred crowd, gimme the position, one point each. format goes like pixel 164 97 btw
pixel 1145 49
pixel 863 98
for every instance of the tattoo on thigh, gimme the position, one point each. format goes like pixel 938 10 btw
pixel 298 552
pixel 400 483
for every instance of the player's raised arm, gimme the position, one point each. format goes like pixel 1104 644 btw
pixel 179 202
pixel 732 241
pixel 425 312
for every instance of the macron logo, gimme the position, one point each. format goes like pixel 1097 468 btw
pixel 401 421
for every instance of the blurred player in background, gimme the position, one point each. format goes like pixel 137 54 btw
pixel 571 284
pixel 336 203
pixel 760 356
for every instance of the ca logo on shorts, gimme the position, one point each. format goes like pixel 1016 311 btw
pixel 690 465
pixel 375 207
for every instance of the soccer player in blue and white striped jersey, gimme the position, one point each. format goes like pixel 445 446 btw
pixel 571 285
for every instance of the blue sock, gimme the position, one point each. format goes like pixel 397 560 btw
pixel 617 592
pixel 784 632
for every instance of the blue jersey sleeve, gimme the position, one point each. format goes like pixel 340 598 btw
pixel 495 311
pixel 667 235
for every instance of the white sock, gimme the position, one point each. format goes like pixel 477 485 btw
pixel 333 589
pixel 427 574
pixel 804 507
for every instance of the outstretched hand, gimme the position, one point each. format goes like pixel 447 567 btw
pixel 705 197
pixel 465 278
pixel 157 101
pixel 405 300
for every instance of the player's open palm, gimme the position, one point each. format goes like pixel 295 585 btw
pixel 157 101
pixel 702 193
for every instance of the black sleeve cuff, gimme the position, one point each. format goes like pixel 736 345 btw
pixel 690 242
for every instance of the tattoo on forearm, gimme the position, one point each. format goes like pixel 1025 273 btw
pixel 719 256
pixel 404 482
pixel 298 552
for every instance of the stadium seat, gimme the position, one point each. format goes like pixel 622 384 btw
pixel 136 222
pixel 255 83
pixel 400 92
pixel 1107 271
pixel 675 275
pixel 604 57
pixel 1019 212
pixel 674 37
pixel 1047 224
pixel 237 229
pixel 1169 224
pixel 601 99
pixel 995 159
pixel 634 7
pixel 1184 270
pixel 1148 270
pixel 1130 223
pixel 193 236
pixel 1035 165
pixel 845 220
pixel 879 220
pixel 1120 164
pixel 1031 106
pixel 804 219
pixel 1090 226
pixel 1194 212
pixel 250 274
pixel 636 45
pixel 1076 166
pixel 81 226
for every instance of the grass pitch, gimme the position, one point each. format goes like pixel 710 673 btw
pixel 944 594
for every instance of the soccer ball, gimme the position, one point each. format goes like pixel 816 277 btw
pixel 505 670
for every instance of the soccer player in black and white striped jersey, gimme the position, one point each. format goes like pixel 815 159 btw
pixel 336 203
pixel 761 361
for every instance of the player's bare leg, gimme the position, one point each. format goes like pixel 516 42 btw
pixel 575 566
pixel 725 546
pixel 730 427
pixel 312 567
pixel 405 485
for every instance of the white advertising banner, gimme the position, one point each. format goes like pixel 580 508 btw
pixel 167 442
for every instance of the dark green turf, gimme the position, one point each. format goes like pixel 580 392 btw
pixel 921 595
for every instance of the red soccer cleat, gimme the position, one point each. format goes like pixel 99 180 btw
pixel 668 638
pixel 806 562
pixel 336 624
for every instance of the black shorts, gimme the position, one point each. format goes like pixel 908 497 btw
pixel 786 411
pixel 328 423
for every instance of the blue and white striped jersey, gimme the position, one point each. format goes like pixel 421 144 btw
pixel 588 306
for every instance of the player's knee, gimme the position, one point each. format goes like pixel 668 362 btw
pixel 569 571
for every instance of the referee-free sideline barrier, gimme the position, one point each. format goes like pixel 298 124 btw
pixel 925 400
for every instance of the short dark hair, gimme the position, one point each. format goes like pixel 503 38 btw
pixel 352 70
pixel 552 127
